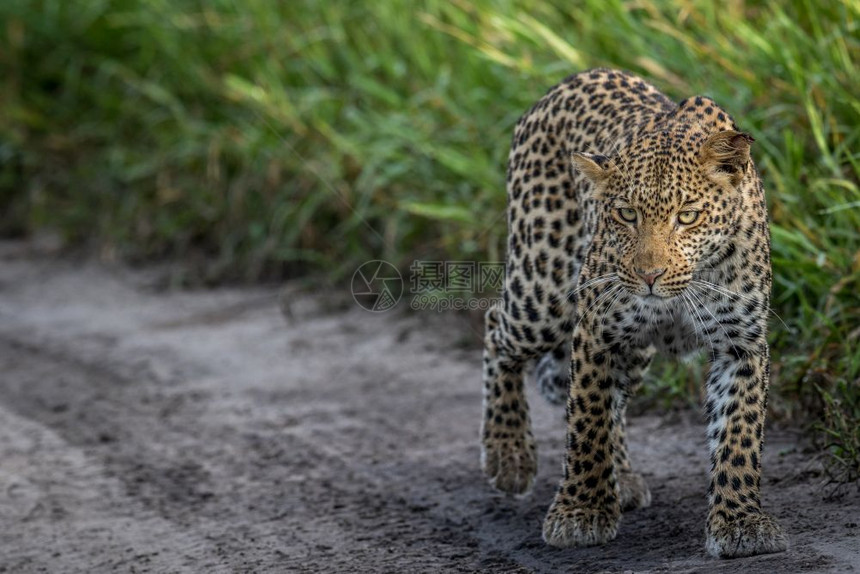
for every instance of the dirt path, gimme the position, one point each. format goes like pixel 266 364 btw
pixel 201 432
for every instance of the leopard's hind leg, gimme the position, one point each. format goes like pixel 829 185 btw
pixel 552 374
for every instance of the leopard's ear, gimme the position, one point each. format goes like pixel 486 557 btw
pixel 595 167
pixel 725 156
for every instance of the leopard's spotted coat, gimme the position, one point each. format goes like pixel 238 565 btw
pixel 602 272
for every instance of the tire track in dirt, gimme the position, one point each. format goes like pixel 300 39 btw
pixel 83 512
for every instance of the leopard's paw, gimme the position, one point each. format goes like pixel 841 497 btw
pixel 746 536
pixel 633 491
pixel 510 463
pixel 566 526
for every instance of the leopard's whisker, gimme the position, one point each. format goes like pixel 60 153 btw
pixel 603 295
pixel 609 303
pixel 724 290
pixel 729 293
pixel 618 294
pixel 693 294
pixel 702 322
pixel 590 282
pixel 684 301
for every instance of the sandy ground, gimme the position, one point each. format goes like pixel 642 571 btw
pixel 143 431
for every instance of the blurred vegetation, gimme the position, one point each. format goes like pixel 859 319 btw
pixel 839 433
pixel 274 138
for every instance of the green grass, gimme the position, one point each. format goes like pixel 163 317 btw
pixel 263 139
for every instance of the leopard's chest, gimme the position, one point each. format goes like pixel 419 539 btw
pixel 669 328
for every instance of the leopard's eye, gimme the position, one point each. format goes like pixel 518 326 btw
pixel 688 217
pixel 627 214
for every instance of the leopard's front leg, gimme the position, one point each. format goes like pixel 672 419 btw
pixel 737 398
pixel 586 508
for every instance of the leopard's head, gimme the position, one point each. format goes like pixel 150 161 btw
pixel 669 200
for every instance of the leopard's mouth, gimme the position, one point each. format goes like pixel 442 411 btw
pixel 653 293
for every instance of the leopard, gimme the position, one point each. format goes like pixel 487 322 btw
pixel 636 226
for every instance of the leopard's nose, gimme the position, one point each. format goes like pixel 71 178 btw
pixel 649 276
